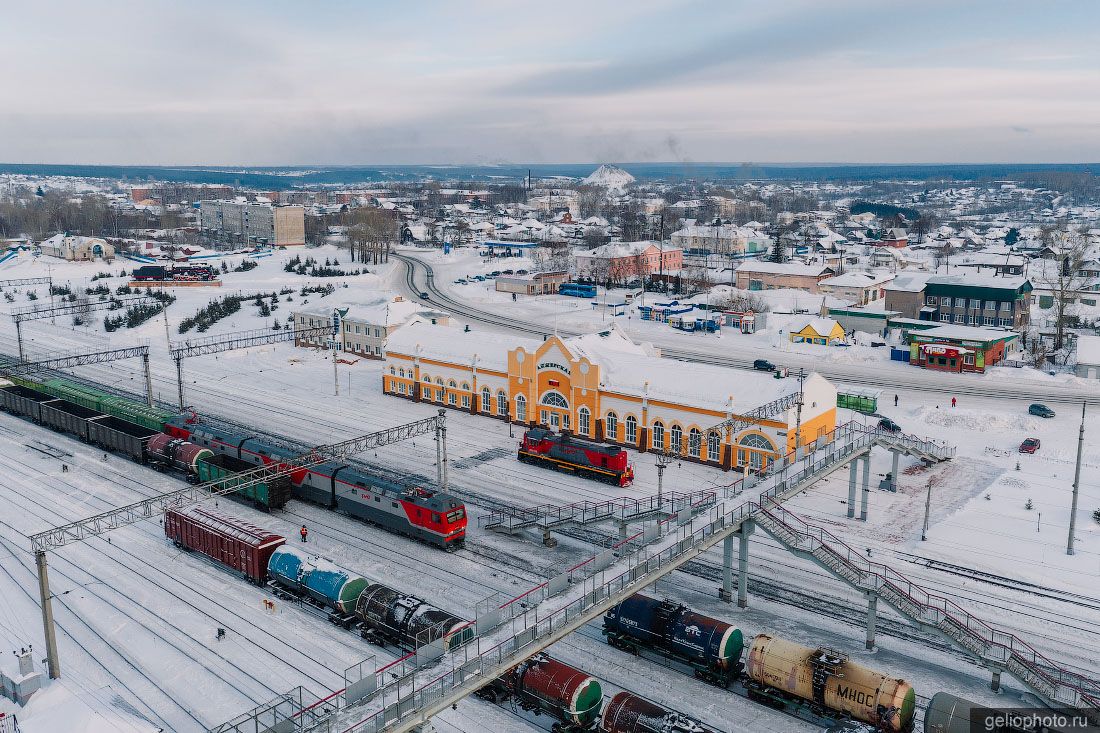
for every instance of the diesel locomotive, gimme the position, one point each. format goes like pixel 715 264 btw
pixel 564 452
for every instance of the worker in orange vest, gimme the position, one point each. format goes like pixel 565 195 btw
pixel 304 532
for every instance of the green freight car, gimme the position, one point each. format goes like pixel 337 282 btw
pixel 268 495
pixel 124 409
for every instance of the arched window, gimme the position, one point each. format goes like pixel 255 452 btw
pixel 439 381
pixel 611 424
pixel 486 399
pixel 465 386
pixel 676 442
pixel 401 372
pixel 755 440
pixel 521 408
pixel 452 384
pixel 553 399
pixel 427 378
pixel 393 370
pixel 758 445
pixel 584 421
pixel 659 435
pixel 695 443
pixel 714 446
pixel 631 429
pixel 502 404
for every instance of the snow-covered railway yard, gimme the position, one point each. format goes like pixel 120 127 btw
pixel 138 618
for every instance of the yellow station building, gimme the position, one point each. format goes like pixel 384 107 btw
pixel 608 388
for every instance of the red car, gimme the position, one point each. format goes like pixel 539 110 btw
pixel 1030 445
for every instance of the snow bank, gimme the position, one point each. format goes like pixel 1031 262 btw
pixel 58 708
pixel 978 421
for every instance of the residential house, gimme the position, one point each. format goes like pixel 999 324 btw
pixel 624 261
pixel 857 288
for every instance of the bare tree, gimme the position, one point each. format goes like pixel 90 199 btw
pixel 372 232
pixel 1062 277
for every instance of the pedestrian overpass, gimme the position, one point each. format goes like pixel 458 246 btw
pixel 405 695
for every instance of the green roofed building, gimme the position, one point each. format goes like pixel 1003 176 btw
pixel 978 300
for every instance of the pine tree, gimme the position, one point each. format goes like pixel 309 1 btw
pixel 1029 506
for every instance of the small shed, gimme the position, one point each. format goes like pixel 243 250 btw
pixel 1088 357
pixel 819 331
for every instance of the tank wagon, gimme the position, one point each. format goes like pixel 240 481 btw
pixel 711 647
pixel 545 685
pixel 778 670
pixel 229 541
pixel 564 452
pixel 317 581
pixel 179 454
pixel 628 713
pixel 382 615
pixel 407 621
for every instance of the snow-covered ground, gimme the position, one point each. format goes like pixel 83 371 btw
pixel 139 620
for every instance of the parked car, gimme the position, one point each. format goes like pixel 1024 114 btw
pixel 1030 445
pixel 423 295
pixel 889 425
pixel 763 365
pixel 1040 410
pixel 521 272
pixel 506 272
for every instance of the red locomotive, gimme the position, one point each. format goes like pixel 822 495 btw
pixel 607 463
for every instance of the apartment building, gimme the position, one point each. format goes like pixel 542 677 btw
pixel 247 222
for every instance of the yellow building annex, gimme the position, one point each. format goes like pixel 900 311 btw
pixel 819 331
pixel 608 388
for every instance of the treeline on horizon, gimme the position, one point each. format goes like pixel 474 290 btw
pixel 286 177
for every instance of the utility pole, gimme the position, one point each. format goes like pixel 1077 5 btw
pixel 927 510
pixel 179 377
pixel 443 440
pixel 663 459
pixel 52 660
pixel 335 374
pixel 798 414
pixel 1076 482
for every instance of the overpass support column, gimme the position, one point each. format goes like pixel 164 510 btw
pixel 995 683
pixel 743 564
pixel 852 488
pixel 866 486
pixel 894 472
pixel 725 593
pixel 872 618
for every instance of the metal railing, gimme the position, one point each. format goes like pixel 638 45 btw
pixel 623 509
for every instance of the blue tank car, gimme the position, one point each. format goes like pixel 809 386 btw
pixel 316 579
pixel 711 647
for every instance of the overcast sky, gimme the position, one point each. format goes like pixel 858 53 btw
pixel 277 83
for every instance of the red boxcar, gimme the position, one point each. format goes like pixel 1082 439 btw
pixel 233 542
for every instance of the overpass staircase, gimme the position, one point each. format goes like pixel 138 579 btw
pixel 997 649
